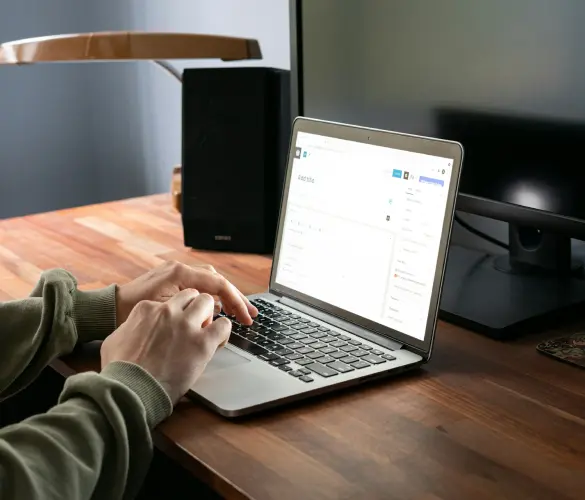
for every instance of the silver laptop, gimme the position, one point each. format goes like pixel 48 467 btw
pixel 358 266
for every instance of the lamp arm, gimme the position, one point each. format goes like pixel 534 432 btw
pixel 169 69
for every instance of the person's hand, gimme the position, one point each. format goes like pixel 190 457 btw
pixel 165 281
pixel 173 340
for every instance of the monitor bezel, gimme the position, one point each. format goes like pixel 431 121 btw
pixel 564 225
pixel 394 140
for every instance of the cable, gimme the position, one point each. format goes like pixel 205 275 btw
pixel 479 233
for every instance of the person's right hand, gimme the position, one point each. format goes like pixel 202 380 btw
pixel 173 340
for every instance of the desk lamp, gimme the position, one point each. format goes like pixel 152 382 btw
pixel 129 46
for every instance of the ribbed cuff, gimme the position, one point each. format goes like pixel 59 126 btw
pixel 94 313
pixel 155 399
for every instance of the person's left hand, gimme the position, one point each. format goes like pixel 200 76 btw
pixel 164 282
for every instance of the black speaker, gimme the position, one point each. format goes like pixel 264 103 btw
pixel 236 128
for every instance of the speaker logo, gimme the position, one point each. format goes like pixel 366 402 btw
pixel 221 237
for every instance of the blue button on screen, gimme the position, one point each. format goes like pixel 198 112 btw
pixel 430 180
pixel 397 174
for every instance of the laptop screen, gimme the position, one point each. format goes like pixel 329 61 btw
pixel 362 229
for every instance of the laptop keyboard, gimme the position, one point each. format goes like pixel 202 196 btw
pixel 302 348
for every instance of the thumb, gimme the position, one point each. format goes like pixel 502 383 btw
pixel 219 331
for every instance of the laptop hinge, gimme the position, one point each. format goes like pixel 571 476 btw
pixel 344 325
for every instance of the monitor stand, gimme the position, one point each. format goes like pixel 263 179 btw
pixel 535 286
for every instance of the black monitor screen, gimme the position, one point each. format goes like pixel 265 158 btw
pixel 506 78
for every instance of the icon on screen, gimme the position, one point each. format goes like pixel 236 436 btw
pixel 443 171
pixel 304 154
pixel 388 218
pixel 406 174
pixel 298 152
pixel 397 173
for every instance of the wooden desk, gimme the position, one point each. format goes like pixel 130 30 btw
pixel 482 420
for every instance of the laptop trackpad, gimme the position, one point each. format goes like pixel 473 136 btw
pixel 225 358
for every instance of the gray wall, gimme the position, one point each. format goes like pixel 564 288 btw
pixel 78 134
pixel 45 151
pixel 136 119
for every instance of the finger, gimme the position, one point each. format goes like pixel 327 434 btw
pixel 200 311
pixel 183 298
pixel 216 284
pixel 251 307
pixel 219 331
pixel 217 307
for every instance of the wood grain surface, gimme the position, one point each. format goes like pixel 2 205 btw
pixel 482 420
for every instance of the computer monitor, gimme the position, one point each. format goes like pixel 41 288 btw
pixel 507 80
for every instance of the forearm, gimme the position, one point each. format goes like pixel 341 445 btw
pixel 97 437
pixel 48 324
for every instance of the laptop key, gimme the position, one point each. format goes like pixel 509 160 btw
pixel 304 320
pixel 328 350
pixel 338 354
pixel 366 347
pixel 318 345
pixel 359 353
pixel 340 367
pixel 375 360
pixel 285 368
pixel 323 329
pixel 283 352
pixel 354 342
pixel 333 334
pixel 389 357
pixel 304 371
pixel 268 357
pixel 318 335
pixel 296 373
pixel 295 345
pixel 338 343
pixel 377 352
pixel 272 347
pixel 349 348
pixel 315 355
pixel 328 340
pixel 309 331
pixel 304 350
pixel 344 337
pixel 298 336
pixel 278 328
pixel 306 378
pixel 309 340
pixel 279 362
pixel 314 325
pixel 293 356
pixel 322 370
pixel 247 346
pixel 286 342
pixel 298 326
pixel 289 322
pixel 280 317
pixel 288 331
pixel 349 360
pixel 360 364
pixel 304 361
pixel 324 360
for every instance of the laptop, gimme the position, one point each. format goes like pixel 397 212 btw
pixel 359 259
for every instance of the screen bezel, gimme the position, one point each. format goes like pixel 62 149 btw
pixel 393 140
pixel 469 203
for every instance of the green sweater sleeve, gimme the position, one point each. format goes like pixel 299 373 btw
pixel 96 442
pixel 48 324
